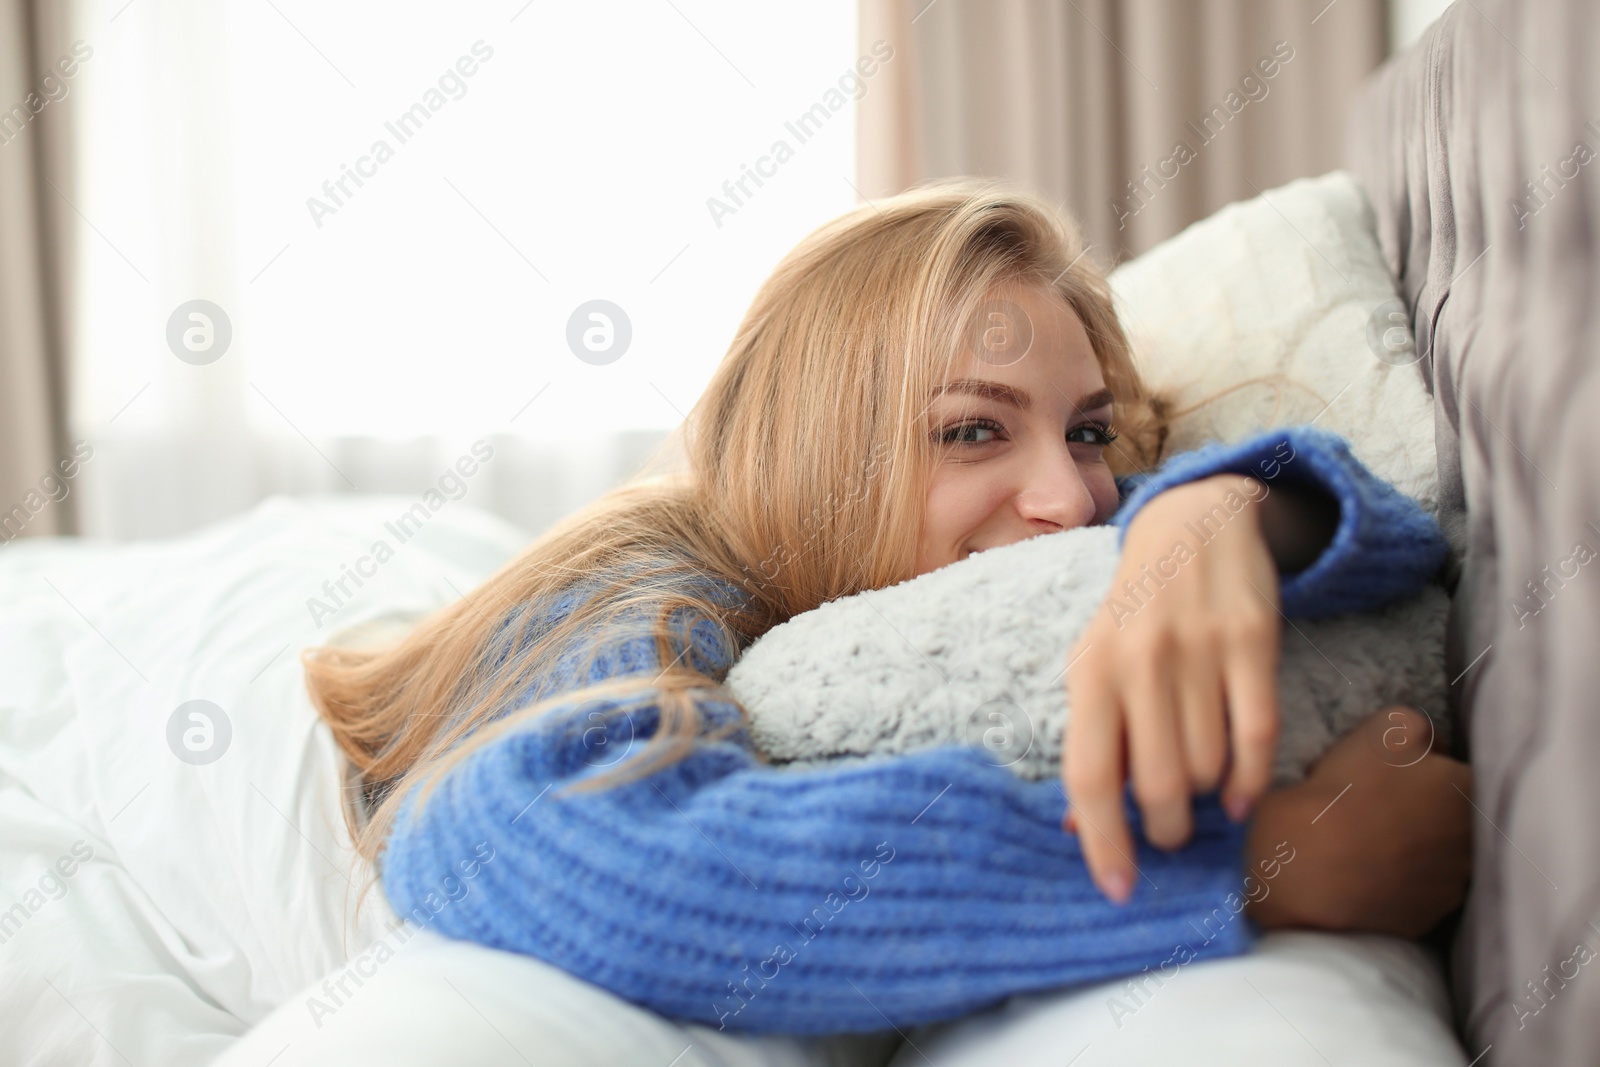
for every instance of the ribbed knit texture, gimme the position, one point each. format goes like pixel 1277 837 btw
pixel 1385 546
pixel 890 892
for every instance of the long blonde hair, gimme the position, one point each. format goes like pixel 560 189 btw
pixel 806 465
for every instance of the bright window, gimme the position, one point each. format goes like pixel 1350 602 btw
pixel 535 156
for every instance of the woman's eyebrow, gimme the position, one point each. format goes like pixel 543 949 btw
pixel 1018 398
pixel 1094 401
pixel 1004 394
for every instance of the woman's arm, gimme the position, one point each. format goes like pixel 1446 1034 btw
pixel 1174 683
pixel 872 894
pixel 1344 540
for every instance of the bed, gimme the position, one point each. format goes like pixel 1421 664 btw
pixel 156 740
pixel 178 886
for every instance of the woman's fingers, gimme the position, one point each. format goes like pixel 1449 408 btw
pixel 1092 773
pixel 1250 672
pixel 1161 780
pixel 1183 698
pixel 1205 723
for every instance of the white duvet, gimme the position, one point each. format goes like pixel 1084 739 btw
pixel 201 895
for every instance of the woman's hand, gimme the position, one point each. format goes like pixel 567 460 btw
pixel 1178 671
pixel 1380 835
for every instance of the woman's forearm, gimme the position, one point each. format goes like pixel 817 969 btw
pixel 1297 520
pixel 1382 545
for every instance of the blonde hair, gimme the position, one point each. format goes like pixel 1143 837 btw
pixel 807 461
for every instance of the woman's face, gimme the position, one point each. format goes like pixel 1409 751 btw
pixel 1019 432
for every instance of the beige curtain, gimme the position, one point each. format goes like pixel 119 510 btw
pixel 35 221
pixel 1138 116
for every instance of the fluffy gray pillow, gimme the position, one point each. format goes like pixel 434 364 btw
pixel 976 653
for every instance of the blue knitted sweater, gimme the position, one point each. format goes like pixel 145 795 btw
pixel 890 892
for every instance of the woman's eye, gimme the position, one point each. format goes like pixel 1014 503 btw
pixel 1097 434
pixel 980 432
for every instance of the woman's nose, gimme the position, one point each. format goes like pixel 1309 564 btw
pixel 1054 494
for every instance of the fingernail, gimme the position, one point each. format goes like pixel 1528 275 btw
pixel 1070 823
pixel 1237 807
pixel 1119 886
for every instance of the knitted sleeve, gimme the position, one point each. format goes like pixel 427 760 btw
pixel 1385 547
pixel 887 892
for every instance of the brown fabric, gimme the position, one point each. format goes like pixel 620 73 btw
pixel 35 138
pixel 887 128
pixel 1503 280
pixel 1086 102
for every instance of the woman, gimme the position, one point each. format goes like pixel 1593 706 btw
pixel 925 378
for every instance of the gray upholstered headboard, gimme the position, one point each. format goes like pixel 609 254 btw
pixel 1401 147
pixel 1389 152
pixel 1480 150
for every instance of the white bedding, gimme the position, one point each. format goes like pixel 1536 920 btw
pixel 1301 1000
pixel 214 891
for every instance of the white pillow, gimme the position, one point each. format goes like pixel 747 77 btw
pixel 438 1001
pixel 1370 1000
pixel 1302 998
pixel 1291 287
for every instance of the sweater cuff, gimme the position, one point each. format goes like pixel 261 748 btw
pixel 1384 549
